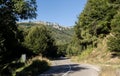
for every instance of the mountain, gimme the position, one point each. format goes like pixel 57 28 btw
pixel 61 34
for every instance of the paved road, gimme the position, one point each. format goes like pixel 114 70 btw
pixel 64 67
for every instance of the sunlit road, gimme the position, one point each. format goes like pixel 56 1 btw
pixel 64 67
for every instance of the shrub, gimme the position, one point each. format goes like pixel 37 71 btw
pixel 9 69
pixel 37 67
pixel 40 41
pixel 114 44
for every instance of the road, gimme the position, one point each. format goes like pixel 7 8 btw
pixel 64 67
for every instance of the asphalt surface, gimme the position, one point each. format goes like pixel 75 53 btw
pixel 64 67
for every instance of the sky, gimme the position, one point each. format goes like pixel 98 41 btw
pixel 63 12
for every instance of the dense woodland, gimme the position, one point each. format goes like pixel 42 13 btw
pixel 57 41
pixel 62 35
pixel 11 47
pixel 99 20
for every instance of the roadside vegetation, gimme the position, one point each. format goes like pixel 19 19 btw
pixel 29 39
pixel 33 67
pixel 111 70
pixel 97 36
pixel 14 42
pixel 60 37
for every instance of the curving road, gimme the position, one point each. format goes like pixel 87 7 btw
pixel 64 67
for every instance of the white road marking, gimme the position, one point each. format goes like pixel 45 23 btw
pixel 68 68
pixel 67 71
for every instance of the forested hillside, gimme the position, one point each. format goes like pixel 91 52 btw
pixel 62 35
pixel 99 21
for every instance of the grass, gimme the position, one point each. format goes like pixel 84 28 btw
pixel 107 71
pixel 110 71
pixel 33 67
pixel 85 53
pixel 102 57
pixel 99 55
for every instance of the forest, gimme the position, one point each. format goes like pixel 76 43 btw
pixel 98 22
pixel 31 42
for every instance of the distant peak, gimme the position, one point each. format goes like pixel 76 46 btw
pixel 54 24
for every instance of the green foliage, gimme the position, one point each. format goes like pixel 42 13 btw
pixel 10 37
pixel 115 23
pixel 62 37
pixel 98 19
pixel 74 48
pixel 62 49
pixel 114 44
pixel 10 12
pixel 36 68
pixel 93 21
pixel 9 69
pixel 24 9
pixel 114 40
pixel 39 40
pixel 85 53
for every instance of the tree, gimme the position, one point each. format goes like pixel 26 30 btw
pixel 39 40
pixel 12 11
pixel 114 40
pixel 94 22
pixel 73 49
pixel 97 20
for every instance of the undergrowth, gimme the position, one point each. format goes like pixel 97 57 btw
pixel 110 71
pixel 85 54
pixel 101 56
pixel 33 67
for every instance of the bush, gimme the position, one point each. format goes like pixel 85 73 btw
pixel 62 49
pixel 114 44
pixel 73 49
pixel 37 67
pixel 85 53
pixel 9 69
pixel 40 41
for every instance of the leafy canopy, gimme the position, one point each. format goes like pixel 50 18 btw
pixel 98 19
pixel 10 12
pixel 39 39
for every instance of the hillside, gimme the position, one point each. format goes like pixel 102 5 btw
pixel 61 34
pixel 97 36
pixel 100 54
pixel 97 33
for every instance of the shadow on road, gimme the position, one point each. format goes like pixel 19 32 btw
pixel 60 58
pixel 61 69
